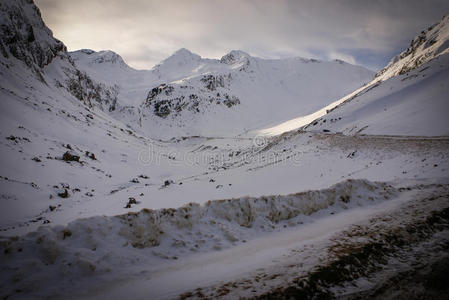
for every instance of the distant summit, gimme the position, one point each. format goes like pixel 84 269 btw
pixel 101 57
pixel 235 56
pixel 181 57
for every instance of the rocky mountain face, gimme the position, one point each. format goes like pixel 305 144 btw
pixel 172 99
pixel 24 36
pixel 26 43
pixel 90 93
pixel 429 44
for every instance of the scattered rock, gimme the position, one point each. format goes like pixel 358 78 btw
pixel 11 138
pixel 352 154
pixel 168 182
pixel 36 159
pixel 131 201
pixel 144 176
pixel 52 208
pixel 64 194
pixel 91 155
pixel 71 156
pixel 135 180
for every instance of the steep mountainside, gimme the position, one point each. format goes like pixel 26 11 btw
pixel 58 141
pixel 24 36
pixel 412 104
pixel 430 44
pixel 408 97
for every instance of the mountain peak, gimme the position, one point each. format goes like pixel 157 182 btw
pixel 235 56
pixel 181 56
pixel 85 51
pixel 183 52
pixel 102 57
pixel 108 56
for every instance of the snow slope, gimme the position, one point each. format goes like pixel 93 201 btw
pixel 412 104
pixel 408 97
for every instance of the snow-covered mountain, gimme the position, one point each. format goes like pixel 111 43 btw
pixel 188 95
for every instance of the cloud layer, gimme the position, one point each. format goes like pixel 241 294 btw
pixel 144 32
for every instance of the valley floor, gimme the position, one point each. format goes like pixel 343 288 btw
pixel 328 214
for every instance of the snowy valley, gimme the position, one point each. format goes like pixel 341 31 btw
pixel 238 177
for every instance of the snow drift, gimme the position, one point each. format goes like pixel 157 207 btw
pixel 95 246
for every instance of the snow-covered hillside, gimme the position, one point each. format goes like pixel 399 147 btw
pixel 414 104
pixel 188 95
pixel 408 97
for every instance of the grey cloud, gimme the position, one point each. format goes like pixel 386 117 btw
pixel 144 32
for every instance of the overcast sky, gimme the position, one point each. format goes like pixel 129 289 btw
pixel 144 32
